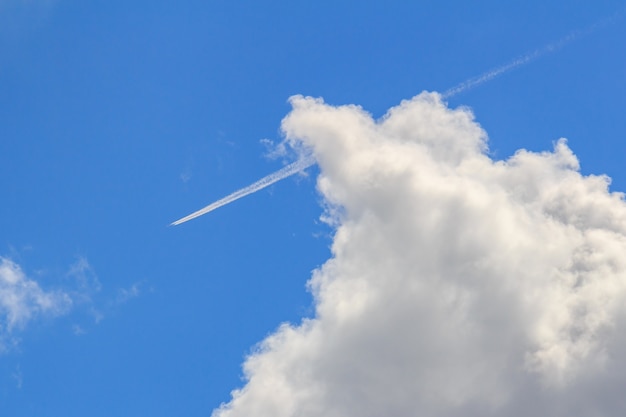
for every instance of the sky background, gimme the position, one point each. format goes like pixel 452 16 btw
pixel 117 118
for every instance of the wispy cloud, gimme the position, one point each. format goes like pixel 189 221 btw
pixel 78 291
pixel 23 300
pixel 78 330
pixel 84 281
pixel 126 294
pixel 459 285
pixel 18 377
pixel 186 175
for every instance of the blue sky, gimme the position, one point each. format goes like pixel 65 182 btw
pixel 117 118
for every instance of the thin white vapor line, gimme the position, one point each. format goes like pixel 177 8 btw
pixel 282 173
pixel 529 57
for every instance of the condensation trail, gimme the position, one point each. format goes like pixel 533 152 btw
pixel 464 86
pixel 282 173
pixel 531 56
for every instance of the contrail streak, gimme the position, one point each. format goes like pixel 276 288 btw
pixel 282 173
pixel 529 57
pixel 464 86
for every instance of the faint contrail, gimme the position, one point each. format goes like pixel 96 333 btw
pixel 531 56
pixel 260 184
pixel 464 86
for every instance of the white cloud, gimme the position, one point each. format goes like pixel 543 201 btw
pixel 78 330
pixel 458 285
pixel 186 175
pixel 22 300
pixel 85 282
pixel 19 378
pixel 126 294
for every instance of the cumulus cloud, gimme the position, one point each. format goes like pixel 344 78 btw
pixel 458 285
pixel 22 300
